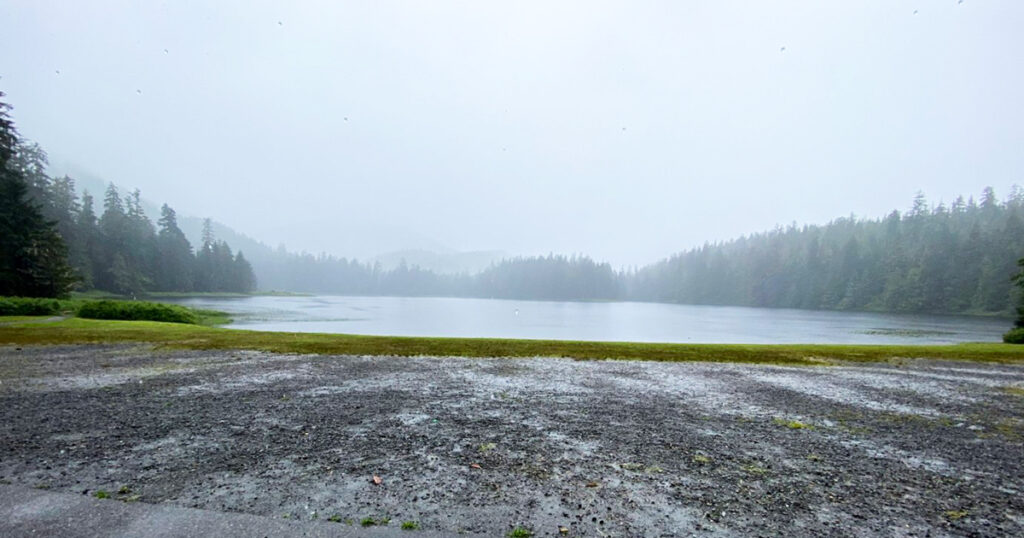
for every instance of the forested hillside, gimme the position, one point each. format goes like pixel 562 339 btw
pixel 121 251
pixel 958 258
pixel 33 257
pixel 949 259
pixel 541 277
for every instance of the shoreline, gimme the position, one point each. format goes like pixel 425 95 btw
pixel 182 336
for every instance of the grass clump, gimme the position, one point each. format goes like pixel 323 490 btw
pixel 368 522
pixel 334 519
pixel 755 469
pixel 101 494
pixel 793 424
pixel 701 459
pixel 520 532
pixel 954 515
pixel 410 525
pixel 487 447
pixel 137 311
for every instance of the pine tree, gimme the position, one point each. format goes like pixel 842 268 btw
pixel 1019 280
pixel 205 267
pixel 88 236
pixel 33 258
pixel 175 260
pixel 243 280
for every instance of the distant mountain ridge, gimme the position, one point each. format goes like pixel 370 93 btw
pixel 448 263
pixel 266 260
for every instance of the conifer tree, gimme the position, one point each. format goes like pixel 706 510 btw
pixel 176 263
pixel 33 258
pixel 1019 280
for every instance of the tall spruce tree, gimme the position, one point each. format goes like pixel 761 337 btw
pixel 33 258
pixel 175 260
pixel 1019 280
pixel 88 235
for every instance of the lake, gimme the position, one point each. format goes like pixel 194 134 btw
pixel 611 321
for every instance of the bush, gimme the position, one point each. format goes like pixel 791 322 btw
pixel 137 311
pixel 30 306
pixel 1015 336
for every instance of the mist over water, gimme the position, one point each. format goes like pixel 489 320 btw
pixel 620 130
pixel 594 321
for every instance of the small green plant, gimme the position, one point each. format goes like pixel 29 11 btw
pixel 755 469
pixel 334 519
pixel 701 459
pixel 101 494
pixel 384 521
pixel 1017 391
pixel 124 490
pixel 520 532
pixel 792 424
pixel 487 447
pixel 410 525
pixel 368 522
pixel 954 515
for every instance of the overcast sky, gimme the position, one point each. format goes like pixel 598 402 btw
pixel 623 130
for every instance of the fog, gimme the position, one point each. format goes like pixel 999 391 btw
pixel 625 131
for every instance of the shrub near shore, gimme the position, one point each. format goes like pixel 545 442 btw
pixel 110 310
pixel 137 311
pixel 32 306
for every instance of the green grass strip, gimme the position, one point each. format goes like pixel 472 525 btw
pixel 181 336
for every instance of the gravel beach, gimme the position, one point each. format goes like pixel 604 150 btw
pixel 559 447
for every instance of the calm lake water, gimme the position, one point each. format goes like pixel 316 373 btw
pixel 635 322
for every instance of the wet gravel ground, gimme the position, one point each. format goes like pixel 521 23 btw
pixel 600 448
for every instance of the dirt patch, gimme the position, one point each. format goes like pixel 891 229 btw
pixel 485 445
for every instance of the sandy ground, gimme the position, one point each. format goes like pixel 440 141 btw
pixel 600 448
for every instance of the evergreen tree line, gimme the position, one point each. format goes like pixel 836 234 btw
pixel 958 258
pixel 121 251
pixel 33 258
pixel 63 244
pixel 549 277
pixel 943 259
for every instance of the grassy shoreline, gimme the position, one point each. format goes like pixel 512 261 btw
pixel 156 295
pixel 183 336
